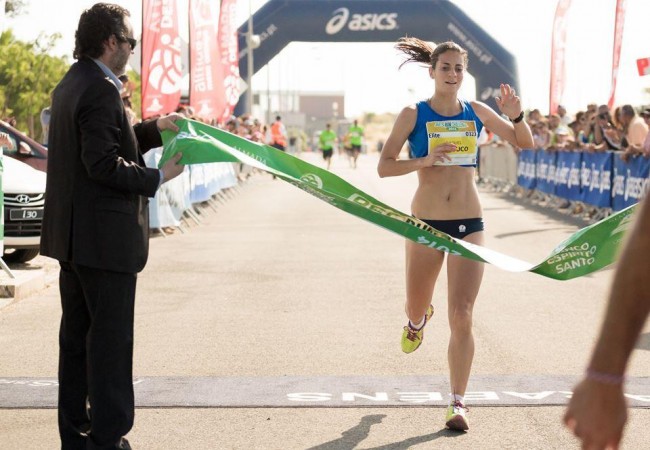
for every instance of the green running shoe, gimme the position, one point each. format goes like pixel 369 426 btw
pixel 411 339
pixel 457 417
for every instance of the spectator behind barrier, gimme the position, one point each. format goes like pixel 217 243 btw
pixel 635 129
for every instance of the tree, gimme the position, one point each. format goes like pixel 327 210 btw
pixel 136 99
pixel 27 77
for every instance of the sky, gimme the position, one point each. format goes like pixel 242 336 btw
pixel 522 27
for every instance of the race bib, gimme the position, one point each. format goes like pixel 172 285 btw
pixel 459 132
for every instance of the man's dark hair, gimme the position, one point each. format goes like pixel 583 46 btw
pixel 96 25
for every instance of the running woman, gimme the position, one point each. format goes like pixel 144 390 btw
pixel 442 132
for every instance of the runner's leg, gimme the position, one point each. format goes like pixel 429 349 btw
pixel 423 265
pixel 464 279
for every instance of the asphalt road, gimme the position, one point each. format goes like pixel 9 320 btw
pixel 277 285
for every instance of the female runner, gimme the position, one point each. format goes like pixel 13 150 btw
pixel 442 132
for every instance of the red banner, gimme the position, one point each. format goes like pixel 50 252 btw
pixel 643 65
pixel 161 58
pixel 558 48
pixel 207 96
pixel 228 55
pixel 618 41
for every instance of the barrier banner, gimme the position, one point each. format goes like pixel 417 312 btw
pixel 596 179
pixel 160 211
pixel 567 175
pixel 526 169
pixel 584 252
pixel 545 171
pixel 630 181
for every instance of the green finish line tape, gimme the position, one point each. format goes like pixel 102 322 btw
pixel 584 252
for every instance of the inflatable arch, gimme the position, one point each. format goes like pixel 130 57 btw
pixel 280 22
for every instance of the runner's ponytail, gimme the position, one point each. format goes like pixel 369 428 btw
pixel 421 51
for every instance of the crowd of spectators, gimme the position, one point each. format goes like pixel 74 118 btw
pixel 595 129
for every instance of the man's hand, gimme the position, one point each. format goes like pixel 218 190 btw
pixel 597 414
pixel 167 122
pixel 171 169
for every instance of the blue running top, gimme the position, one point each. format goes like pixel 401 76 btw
pixel 419 137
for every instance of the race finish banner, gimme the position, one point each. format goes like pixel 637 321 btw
pixel 584 252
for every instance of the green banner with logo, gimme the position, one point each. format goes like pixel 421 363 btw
pixel 584 252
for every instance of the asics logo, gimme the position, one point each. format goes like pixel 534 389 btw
pixel 360 22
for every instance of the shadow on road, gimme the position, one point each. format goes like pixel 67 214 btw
pixel 408 443
pixel 351 438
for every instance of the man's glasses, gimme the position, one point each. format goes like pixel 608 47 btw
pixel 132 42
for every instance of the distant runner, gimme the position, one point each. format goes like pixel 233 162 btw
pixel 326 143
pixel 355 134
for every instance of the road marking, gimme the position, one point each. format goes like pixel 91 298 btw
pixel 324 391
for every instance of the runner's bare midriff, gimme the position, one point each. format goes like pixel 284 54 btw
pixel 446 193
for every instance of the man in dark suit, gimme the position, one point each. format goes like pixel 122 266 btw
pixel 96 224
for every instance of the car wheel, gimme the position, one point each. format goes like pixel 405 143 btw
pixel 21 255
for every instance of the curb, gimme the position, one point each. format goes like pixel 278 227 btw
pixel 25 284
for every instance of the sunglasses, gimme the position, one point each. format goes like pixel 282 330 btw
pixel 132 42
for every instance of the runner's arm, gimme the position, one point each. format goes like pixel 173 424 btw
pixel 629 301
pixel 389 164
pixel 518 134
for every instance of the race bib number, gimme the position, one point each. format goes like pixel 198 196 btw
pixel 459 132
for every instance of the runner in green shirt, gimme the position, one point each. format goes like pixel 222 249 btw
pixel 326 143
pixel 355 135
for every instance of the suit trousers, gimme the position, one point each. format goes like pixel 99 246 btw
pixel 96 401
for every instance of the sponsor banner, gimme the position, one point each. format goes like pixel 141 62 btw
pixel 584 252
pixel 558 49
pixel 545 171
pixel 228 53
pixel 630 181
pixel 161 58
pixel 643 66
pixel 526 169
pixel 567 175
pixel 343 19
pixel 596 179
pixel 616 53
pixel 207 96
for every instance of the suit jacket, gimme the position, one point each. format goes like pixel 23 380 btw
pixel 96 207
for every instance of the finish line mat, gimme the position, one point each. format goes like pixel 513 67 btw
pixel 586 251
pixel 324 391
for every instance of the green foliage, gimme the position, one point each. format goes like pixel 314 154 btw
pixel 27 77
pixel 136 94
